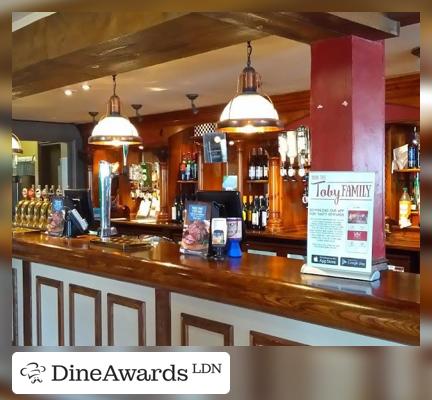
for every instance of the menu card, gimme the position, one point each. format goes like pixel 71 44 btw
pixel 196 228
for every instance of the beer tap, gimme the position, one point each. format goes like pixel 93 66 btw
pixel 45 209
pixel 106 172
pixel 34 223
pixel 19 207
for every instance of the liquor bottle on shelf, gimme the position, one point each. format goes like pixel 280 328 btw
pixel 180 209
pixel 412 155
pixel 182 169
pixel 194 167
pixel 174 210
pixel 259 166
pixel 252 165
pixel 262 213
pixel 249 213
pixel 404 209
pixel 244 209
pixel 188 167
pixel 255 213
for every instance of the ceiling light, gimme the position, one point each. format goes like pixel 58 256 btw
pixel 114 129
pixel 249 111
pixel 16 145
pixel 157 89
pixel 85 86
pixel 68 92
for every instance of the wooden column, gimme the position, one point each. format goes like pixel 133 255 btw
pixel 200 168
pixel 274 191
pixel 162 154
pixel 163 186
pixel 347 114
pixel 240 153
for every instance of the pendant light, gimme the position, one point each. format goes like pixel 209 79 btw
pixel 249 111
pixel 16 145
pixel 114 129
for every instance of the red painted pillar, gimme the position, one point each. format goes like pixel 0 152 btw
pixel 348 114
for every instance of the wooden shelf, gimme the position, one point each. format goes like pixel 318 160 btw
pixel 408 170
pixel 180 181
pixel 257 181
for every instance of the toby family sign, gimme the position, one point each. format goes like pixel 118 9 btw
pixel 340 225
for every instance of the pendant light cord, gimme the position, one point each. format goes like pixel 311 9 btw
pixel 249 52
pixel 114 84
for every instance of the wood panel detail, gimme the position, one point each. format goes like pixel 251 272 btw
pixel 96 296
pixel 263 339
pixel 163 317
pixel 137 305
pixel 27 303
pixel 223 329
pixel 273 285
pixel 15 326
pixel 42 281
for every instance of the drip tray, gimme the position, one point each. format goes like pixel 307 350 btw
pixel 123 243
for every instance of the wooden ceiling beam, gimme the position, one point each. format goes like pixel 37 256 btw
pixel 67 48
pixel 308 27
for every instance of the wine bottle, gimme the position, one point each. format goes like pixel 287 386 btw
pixel 265 165
pixel 262 214
pixel 259 168
pixel 255 214
pixel 252 167
pixel 249 213
pixel 244 209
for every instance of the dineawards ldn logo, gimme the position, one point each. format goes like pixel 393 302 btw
pixel 33 371
pixel 121 373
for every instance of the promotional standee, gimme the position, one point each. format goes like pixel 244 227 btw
pixel 340 225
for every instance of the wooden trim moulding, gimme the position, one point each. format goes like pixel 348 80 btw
pixel 205 324
pixel 27 303
pixel 138 305
pixel 14 308
pixel 263 339
pixel 60 309
pixel 96 296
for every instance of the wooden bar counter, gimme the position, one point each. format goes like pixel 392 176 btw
pixel 70 292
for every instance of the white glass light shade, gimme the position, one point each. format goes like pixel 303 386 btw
pixel 249 113
pixel 115 130
pixel 16 144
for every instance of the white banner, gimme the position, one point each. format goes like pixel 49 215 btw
pixel 121 373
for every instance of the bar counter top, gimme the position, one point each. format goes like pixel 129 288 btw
pixel 387 309
pixel 408 240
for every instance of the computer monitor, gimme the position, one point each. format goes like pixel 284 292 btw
pixel 81 200
pixel 226 203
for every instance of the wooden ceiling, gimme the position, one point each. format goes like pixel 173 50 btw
pixel 66 48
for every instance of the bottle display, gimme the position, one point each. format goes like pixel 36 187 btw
pixel 188 168
pixel 258 164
